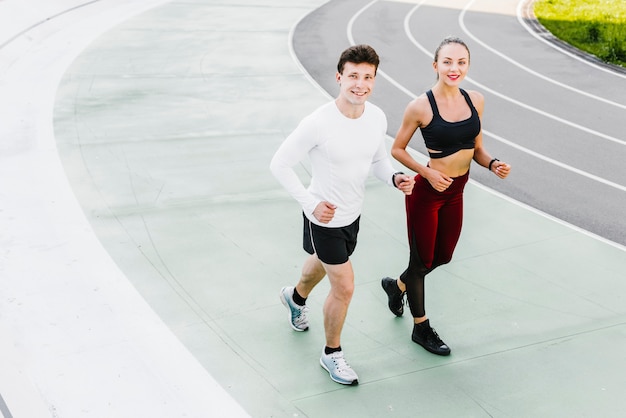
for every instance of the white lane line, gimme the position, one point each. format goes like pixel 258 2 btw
pixel 294 57
pixel 354 18
pixel 490 134
pixel 529 70
pixel 548 115
pixel 548 216
pixel 555 162
pixel 525 5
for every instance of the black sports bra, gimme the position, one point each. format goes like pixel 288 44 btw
pixel 449 137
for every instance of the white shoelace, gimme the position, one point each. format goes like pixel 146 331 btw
pixel 340 361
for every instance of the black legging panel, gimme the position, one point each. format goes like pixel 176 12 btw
pixel 413 277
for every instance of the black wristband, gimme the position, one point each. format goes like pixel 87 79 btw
pixel 393 178
pixel 491 163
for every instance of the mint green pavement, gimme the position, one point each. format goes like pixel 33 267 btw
pixel 165 126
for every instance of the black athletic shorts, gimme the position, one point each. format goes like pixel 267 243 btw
pixel 332 245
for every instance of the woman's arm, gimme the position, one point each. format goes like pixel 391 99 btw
pixel 411 120
pixel 481 156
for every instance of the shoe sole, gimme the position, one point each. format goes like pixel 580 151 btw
pixel 286 304
pixel 343 382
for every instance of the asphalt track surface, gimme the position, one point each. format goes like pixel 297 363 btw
pixel 556 117
pixel 144 240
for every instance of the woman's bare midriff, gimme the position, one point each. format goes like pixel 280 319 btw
pixel 454 165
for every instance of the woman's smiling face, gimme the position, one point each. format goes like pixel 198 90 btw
pixel 452 63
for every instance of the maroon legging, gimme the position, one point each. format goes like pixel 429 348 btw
pixel 434 221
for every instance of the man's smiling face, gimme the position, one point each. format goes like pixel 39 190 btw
pixel 356 82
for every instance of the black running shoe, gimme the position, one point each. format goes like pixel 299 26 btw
pixel 395 295
pixel 427 337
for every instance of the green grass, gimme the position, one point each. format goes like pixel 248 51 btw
pixel 594 26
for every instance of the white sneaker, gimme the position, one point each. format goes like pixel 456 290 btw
pixel 297 313
pixel 338 369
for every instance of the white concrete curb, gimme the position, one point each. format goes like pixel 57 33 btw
pixel 76 339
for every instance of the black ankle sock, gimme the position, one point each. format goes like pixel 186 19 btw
pixel 297 298
pixel 328 350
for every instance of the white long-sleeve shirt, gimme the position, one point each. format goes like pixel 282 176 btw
pixel 342 151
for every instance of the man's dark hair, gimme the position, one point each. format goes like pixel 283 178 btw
pixel 358 54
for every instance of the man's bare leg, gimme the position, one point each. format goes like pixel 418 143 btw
pixel 341 277
pixel 312 273
pixel 335 310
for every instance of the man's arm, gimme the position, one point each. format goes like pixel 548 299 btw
pixel 384 171
pixel 293 150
